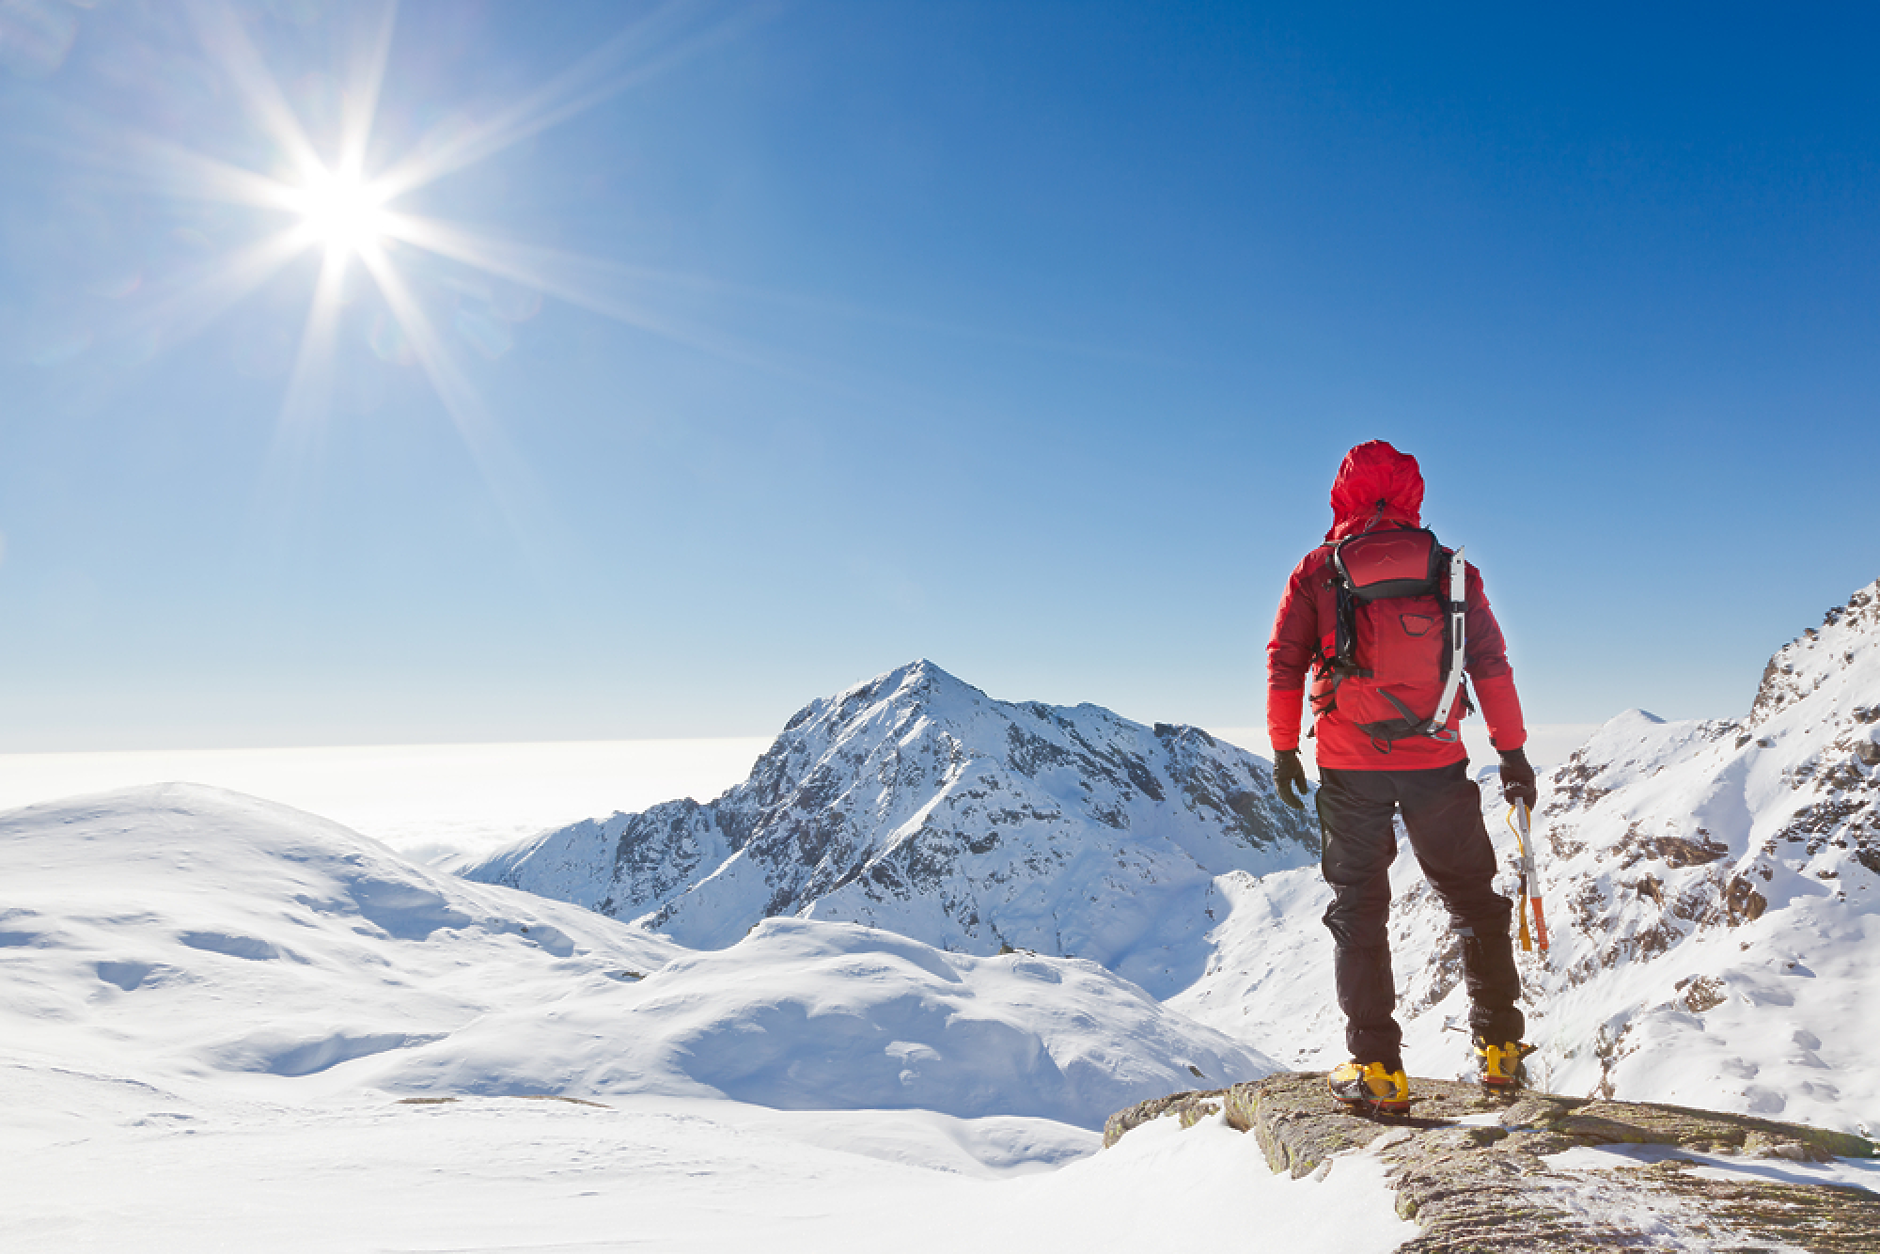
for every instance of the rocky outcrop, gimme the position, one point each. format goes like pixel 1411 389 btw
pixel 1477 1171
pixel 1805 664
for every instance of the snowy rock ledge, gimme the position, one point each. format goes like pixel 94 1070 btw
pixel 1482 1173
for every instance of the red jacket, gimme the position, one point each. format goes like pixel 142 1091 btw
pixel 1377 485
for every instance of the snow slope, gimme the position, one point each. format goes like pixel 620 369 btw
pixel 194 940
pixel 1713 890
pixel 227 1024
pixel 917 804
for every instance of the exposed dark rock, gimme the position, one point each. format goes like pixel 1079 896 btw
pixel 1190 1108
pixel 1743 902
pixel 1680 852
pixel 1702 992
pixel 1471 1168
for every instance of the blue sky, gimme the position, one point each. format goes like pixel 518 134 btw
pixel 823 336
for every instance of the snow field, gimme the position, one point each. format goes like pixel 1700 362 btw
pixel 185 936
pixel 234 1026
pixel 492 1174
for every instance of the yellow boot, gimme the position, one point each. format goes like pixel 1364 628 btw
pixel 1368 1087
pixel 1500 1065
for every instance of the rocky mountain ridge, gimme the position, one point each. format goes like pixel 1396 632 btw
pixel 918 804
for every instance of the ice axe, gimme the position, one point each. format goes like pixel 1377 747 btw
pixel 1530 882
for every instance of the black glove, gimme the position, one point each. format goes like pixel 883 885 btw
pixel 1290 773
pixel 1517 778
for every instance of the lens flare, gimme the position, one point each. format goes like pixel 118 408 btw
pixel 323 184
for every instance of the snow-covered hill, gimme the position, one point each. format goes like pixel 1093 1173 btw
pixel 177 934
pixel 188 941
pixel 918 804
pixel 1713 891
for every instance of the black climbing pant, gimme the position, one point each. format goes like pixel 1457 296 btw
pixel 1442 811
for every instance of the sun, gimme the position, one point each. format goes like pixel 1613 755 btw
pixel 340 211
pixel 318 183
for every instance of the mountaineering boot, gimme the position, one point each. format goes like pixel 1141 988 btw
pixel 1368 1087
pixel 1500 1066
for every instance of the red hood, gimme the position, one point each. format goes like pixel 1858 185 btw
pixel 1375 484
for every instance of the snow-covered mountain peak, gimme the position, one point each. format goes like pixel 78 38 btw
pixel 1626 748
pixel 916 803
pixel 915 686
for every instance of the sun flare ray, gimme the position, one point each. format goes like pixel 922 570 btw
pixel 362 100
pixel 649 47
pixel 573 279
pixel 309 388
pixel 501 470
pixel 195 303
pixel 192 175
pixel 220 32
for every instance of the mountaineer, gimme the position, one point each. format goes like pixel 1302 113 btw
pixel 1374 613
